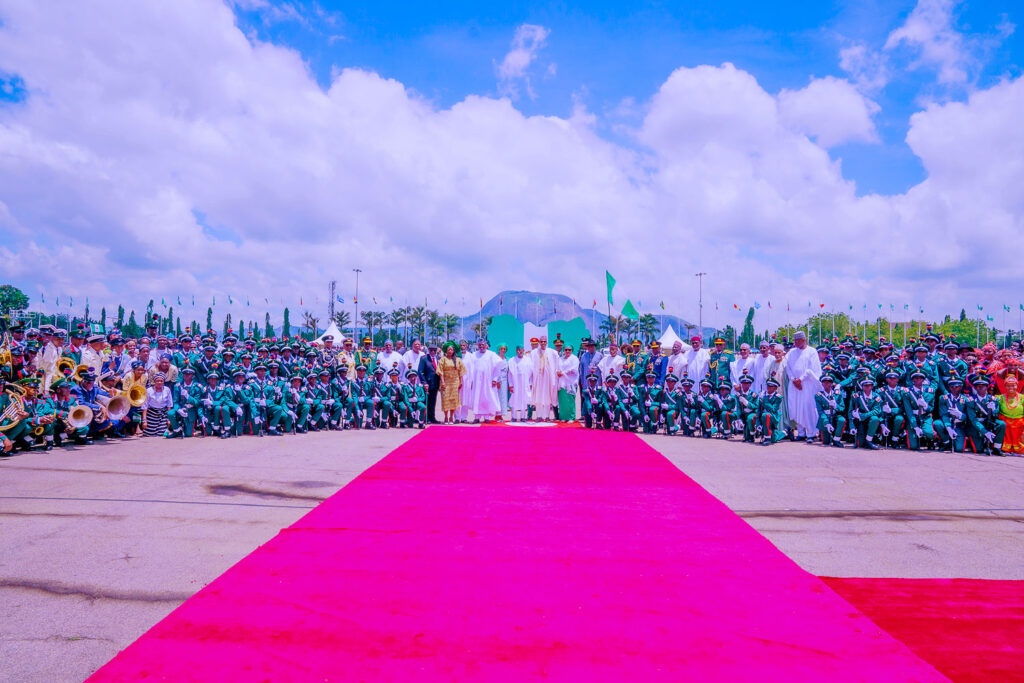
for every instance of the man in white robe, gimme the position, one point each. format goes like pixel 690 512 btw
pixel 698 360
pixel 804 372
pixel 520 384
pixel 484 374
pixel 411 358
pixel 611 364
pixel 745 363
pixel 677 360
pixel 760 361
pixel 389 359
pixel 546 365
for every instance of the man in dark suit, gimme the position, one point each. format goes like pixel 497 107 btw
pixel 431 380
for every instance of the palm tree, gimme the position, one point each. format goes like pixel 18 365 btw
pixel 310 322
pixel 417 316
pixel 648 326
pixel 480 328
pixel 342 319
pixel 614 325
pixel 435 324
pixel 449 322
pixel 372 319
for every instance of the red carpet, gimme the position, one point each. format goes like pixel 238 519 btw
pixel 970 630
pixel 505 554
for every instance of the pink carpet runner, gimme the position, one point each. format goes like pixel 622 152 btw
pixel 505 554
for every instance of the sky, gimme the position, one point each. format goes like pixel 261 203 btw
pixel 804 153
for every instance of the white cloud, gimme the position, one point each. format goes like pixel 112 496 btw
pixel 125 136
pixel 513 71
pixel 929 31
pixel 868 69
pixel 830 110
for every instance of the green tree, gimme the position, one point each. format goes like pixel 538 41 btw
pixel 87 311
pixel 168 322
pixel 747 335
pixel 103 317
pixel 227 324
pixel 648 327
pixel 480 327
pixel 132 328
pixel 343 319
pixel 286 325
pixel 310 323
pixel 268 329
pixel 372 319
pixel 177 327
pixel 209 318
pixel 120 316
pixel 963 315
pixel 12 299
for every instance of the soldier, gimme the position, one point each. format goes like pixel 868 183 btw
pixel 590 402
pixel 86 393
pixel 296 407
pixel 187 396
pixel 236 400
pixel 720 364
pixel 319 396
pixel 670 401
pixel 951 425
pixel 654 406
pixel 610 408
pixel 769 414
pixel 919 406
pixel 707 407
pixel 831 403
pixel 893 418
pixel 414 401
pixel 866 414
pixel 688 412
pixel 366 356
pixel 747 404
pixel 629 403
pixel 984 427
pixel 728 409
pixel 364 396
pixel 257 407
pixel 58 404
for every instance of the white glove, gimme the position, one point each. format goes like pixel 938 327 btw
pixel 291 414
pixel 743 400
pixel 886 409
pixel 664 406
pixel 647 403
pixel 415 399
pixel 989 436
pixel 593 416
pixel 329 402
pixel 238 411
pixel 917 430
pixel 183 411
pixel 832 403
pixel 208 402
pixel 855 414
pixel 956 413
pixel 922 404
pixel 885 430
pixel 262 402
pixel 647 418
pixel 258 420
pixel 951 432
pixel 830 429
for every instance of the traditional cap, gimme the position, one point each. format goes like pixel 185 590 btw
pixel 694 338
pixel 800 334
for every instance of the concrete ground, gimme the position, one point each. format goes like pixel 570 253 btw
pixel 98 544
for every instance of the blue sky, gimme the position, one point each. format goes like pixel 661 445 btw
pixel 605 52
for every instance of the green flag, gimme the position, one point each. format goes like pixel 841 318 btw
pixel 611 285
pixel 629 311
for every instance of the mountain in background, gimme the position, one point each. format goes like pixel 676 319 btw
pixel 541 308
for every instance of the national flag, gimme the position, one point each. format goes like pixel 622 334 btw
pixel 980 307
pixel 769 305
pixel 787 307
pixel 538 301
pixel 851 307
pixel 662 304
pixel 990 318
pixel 808 304
pixel 906 307
pixel 610 281
pixel 374 300
pixel 892 307
pixel 822 306
pixel 446 302
pixel 501 299
pixel 736 307
pixel 716 305
pixel 595 305
pixel 246 301
pixel 193 301
pixel 42 297
pixel 340 300
pixel 179 300
pixel 300 300
pixel 58 301
pixel 1006 308
pixel 162 301
pixel 355 300
pixel 214 300
pixel 879 306
pixel 481 303
pixel 231 302
pixel 391 299
pixel 629 311
pixel 922 309
pixel 757 306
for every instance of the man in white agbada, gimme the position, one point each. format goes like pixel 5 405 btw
pixel 389 358
pixel 545 380
pixel 612 363
pixel 745 362
pixel 484 376
pixel 804 371
pixel 520 384
pixel 698 360
pixel 760 360
pixel 677 361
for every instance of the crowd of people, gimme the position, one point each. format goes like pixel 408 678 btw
pixel 59 388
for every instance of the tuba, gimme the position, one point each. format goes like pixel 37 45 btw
pixel 65 366
pixel 137 395
pixel 79 371
pixel 79 416
pixel 116 407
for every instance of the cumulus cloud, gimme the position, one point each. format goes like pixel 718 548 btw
pixel 161 152
pixel 930 32
pixel 830 110
pixel 513 71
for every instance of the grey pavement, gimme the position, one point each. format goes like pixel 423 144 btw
pixel 98 544
pixel 856 512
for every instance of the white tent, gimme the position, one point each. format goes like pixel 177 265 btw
pixel 669 339
pixel 332 330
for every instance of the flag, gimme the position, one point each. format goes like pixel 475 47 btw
pixel 446 302
pixel 922 308
pixel 662 304
pixel 736 307
pixel 355 300
pixel 391 299
pixel 906 307
pixel 58 301
pixel 214 300
pixel 481 303
pixel 808 304
pixel 787 307
pixel 1006 308
pixel 538 301
pixel 628 311
pixel 892 307
pixel 501 299
pixel 179 300
pixel 879 306
pixel 246 301
pixel 769 305
pixel 71 301
pixel 610 281
pixel 851 307
pixel 162 301
pixel 822 306
pixel 42 297
pixel 340 300
pixel 230 300
pixel 980 307
pixel 757 306
pixel 374 300
pixel 595 305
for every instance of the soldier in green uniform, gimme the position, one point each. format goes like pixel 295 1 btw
pixel 707 407
pixel 365 397
pixel 654 406
pixel 366 356
pixel 831 403
pixel 629 403
pixel 747 405
pixel 58 404
pixel 296 408
pixel 866 414
pixel 610 408
pixel 769 414
pixel 391 403
pixel 236 397
pixel 187 396
pixel 919 407
pixel 211 410
pixel 893 417
pixel 720 365
pixel 257 407
pixel 590 402
pixel 273 394
pixel 671 397
pixel 414 401
pixel 727 413
pixel 984 428
pixel 689 415
pixel 951 427
pixel 319 396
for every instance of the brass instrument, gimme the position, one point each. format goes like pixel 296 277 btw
pixel 14 408
pixel 137 395
pixel 38 430
pixel 5 349
pixel 115 407
pixel 65 365
pixel 79 371
pixel 79 416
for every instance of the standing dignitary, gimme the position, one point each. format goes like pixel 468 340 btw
pixel 803 370
pixel 520 384
pixel 546 367
pixel 431 379
pixel 484 379
pixel 698 360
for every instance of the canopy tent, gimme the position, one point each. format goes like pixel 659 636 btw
pixel 332 330
pixel 669 339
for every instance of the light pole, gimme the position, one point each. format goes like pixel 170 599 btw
pixel 700 304
pixel 355 300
